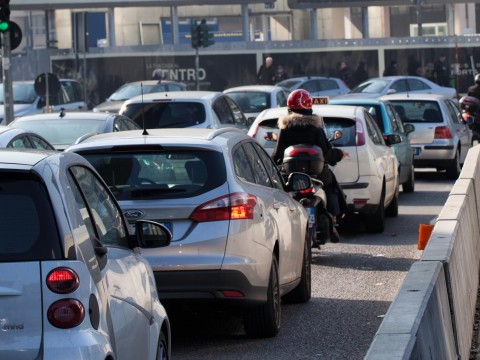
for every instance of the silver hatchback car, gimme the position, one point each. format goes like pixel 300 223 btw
pixel 73 284
pixel 239 238
pixel 441 139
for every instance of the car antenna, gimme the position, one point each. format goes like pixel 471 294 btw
pixel 145 132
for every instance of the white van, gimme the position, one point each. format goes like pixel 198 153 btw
pixel 27 102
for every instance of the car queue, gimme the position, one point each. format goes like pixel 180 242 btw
pixel 217 222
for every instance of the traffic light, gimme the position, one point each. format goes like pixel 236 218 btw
pixel 206 35
pixel 195 35
pixel 4 15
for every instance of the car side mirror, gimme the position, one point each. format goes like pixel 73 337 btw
pixel 298 181
pixel 392 139
pixel 409 128
pixel 150 234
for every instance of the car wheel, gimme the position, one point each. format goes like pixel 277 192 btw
pixel 375 223
pixel 392 209
pixel 162 348
pixel 303 292
pixel 454 169
pixel 409 185
pixel 264 321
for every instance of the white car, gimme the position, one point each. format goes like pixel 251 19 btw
pixel 441 139
pixel 182 109
pixel 369 175
pixel 73 284
pixel 388 85
pixel 253 99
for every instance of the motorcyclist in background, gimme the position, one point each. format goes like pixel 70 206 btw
pixel 301 126
pixel 474 90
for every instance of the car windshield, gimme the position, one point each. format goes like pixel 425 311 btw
pixel 418 111
pixel 61 132
pixel 128 91
pixel 22 93
pixel 371 87
pixel 160 175
pixel 346 126
pixel 289 83
pixel 157 115
pixel 251 102
pixel 26 220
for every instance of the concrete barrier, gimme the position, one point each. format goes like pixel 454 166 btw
pixel 436 322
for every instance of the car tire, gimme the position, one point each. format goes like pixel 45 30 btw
pixel 454 169
pixel 375 223
pixel 392 208
pixel 162 348
pixel 409 185
pixel 303 292
pixel 264 321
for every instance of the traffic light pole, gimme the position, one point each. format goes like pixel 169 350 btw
pixel 197 69
pixel 7 77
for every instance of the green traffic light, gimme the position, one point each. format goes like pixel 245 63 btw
pixel 4 25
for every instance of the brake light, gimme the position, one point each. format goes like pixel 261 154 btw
pixel 442 132
pixel 306 191
pixel 296 151
pixel 66 313
pixel 360 135
pixel 253 131
pixel 62 280
pixel 236 206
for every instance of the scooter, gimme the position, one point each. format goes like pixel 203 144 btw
pixel 309 159
pixel 471 116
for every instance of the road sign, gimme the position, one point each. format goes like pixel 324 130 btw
pixel 15 35
pixel 47 83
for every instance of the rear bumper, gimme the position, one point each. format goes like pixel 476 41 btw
pixel 208 286
pixel 433 155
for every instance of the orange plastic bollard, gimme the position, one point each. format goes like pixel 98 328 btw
pixel 424 232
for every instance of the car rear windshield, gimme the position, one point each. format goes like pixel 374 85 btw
pixel 251 101
pixel 27 223
pixel 160 175
pixel 346 126
pixel 266 133
pixel 417 111
pixel 166 114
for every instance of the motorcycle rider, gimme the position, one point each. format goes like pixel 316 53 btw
pixel 301 126
pixel 474 90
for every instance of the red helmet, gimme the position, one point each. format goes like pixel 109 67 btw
pixel 299 100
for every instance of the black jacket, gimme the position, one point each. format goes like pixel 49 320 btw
pixel 474 91
pixel 306 129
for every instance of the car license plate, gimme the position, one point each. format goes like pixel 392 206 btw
pixel 417 150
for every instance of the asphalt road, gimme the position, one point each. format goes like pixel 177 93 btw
pixel 354 283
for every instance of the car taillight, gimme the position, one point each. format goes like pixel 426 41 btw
pixel 66 313
pixel 442 132
pixel 296 151
pixel 253 131
pixel 306 191
pixel 236 206
pixel 62 280
pixel 360 136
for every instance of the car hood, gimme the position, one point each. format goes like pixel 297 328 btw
pixel 109 106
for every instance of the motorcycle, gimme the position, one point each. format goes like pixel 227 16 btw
pixel 309 159
pixel 470 106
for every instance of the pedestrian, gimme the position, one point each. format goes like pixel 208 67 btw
pixel 266 72
pixel 345 73
pixel 441 71
pixel 391 69
pixel 280 75
pixel 414 67
pixel 360 74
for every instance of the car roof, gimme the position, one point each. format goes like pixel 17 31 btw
pixel 414 96
pixel 174 95
pixel 177 136
pixel 68 115
pixel 323 110
pixel 152 82
pixel 265 88
pixel 25 157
